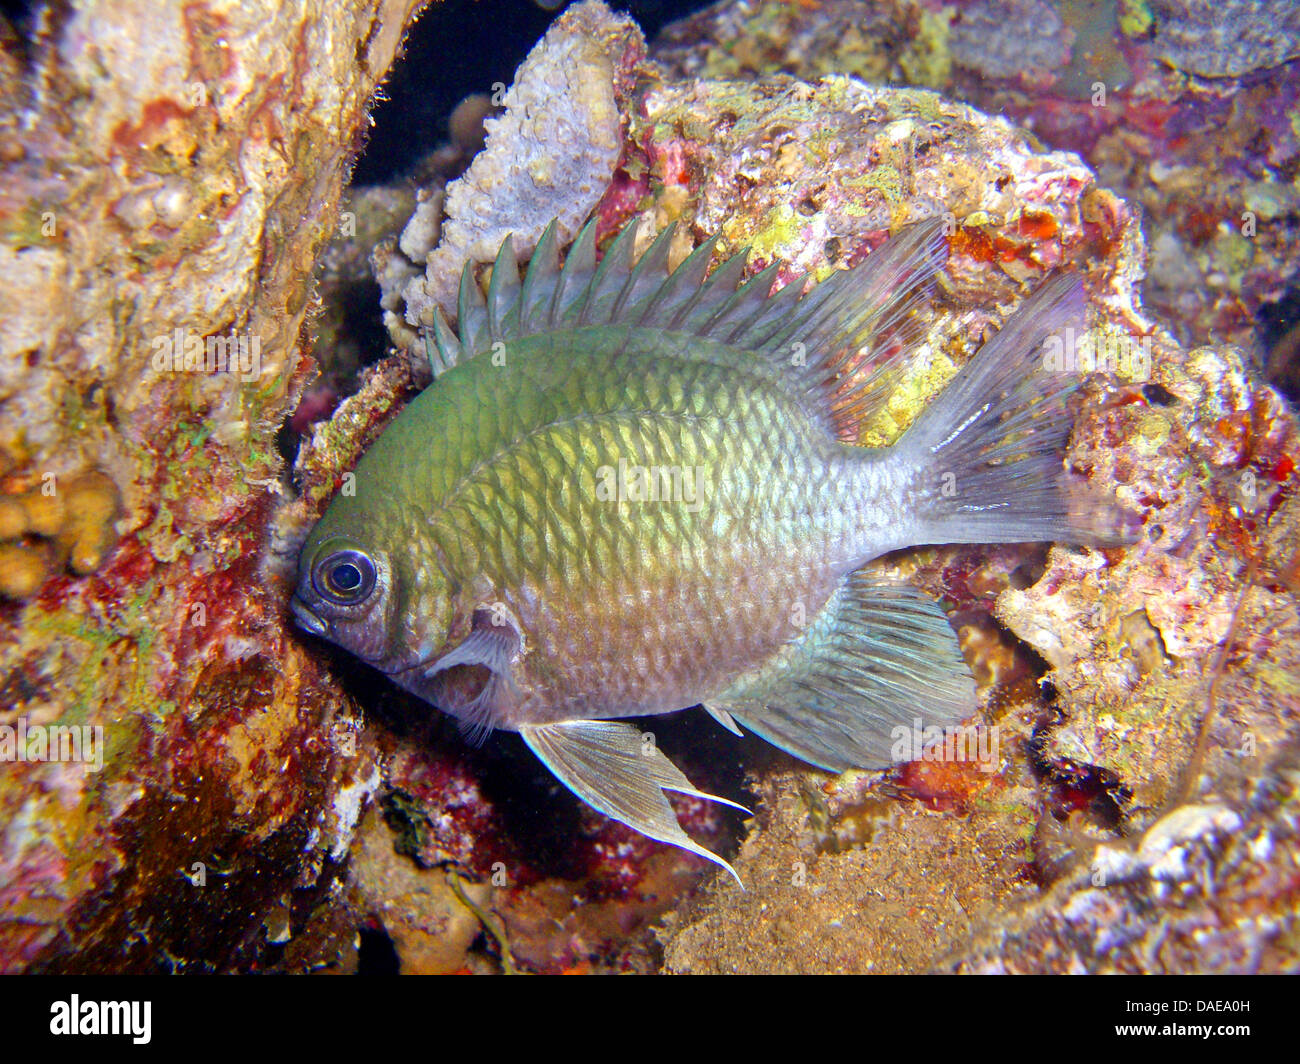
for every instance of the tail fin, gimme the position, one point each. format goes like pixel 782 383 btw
pixel 988 451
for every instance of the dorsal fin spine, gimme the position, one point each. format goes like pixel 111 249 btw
pixel 614 269
pixel 470 310
pixel 544 264
pixel 449 349
pixel 503 291
pixel 569 294
pixel 680 285
pixel 650 263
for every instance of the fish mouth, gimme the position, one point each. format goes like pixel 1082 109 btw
pixel 309 621
pixel 306 619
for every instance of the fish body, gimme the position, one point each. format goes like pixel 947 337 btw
pixel 626 494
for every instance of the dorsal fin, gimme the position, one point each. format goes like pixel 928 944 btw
pixel 841 346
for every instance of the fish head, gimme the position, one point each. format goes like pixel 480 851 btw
pixel 375 582
pixel 369 592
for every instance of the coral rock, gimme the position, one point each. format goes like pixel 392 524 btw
pixel 550 155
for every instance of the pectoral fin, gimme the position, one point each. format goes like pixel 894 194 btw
pixel 615 769
pixel 492 646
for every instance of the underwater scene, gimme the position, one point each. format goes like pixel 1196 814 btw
pixel 770 486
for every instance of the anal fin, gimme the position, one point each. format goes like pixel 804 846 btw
pixel 877 657
pixel 611 767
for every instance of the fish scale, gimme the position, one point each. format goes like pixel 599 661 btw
pixel 645 433
pixel 722 429
pixel 482 563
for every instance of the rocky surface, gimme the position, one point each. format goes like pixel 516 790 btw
pixel 165 198
pixel 1211 160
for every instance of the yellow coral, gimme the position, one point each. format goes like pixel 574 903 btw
pixel 22 570
pixel 52 525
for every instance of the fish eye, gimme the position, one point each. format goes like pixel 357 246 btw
pixel 344 577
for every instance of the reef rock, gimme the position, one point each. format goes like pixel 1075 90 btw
pixel 1210 160
pixel 1225 38
pixel 165 197
pixel 551 155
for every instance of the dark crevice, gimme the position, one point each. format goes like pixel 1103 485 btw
pixel 1279 333
pixel 1074 787
pixel 376 954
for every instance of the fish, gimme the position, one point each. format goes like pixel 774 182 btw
pixel 630 491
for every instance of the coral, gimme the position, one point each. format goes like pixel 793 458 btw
pixel 817 175
pixel 573 889
pixel 1210 162
pixel 430 927
pixel 846 37
pixel 467 124
pixel 1010 39
pixel 1221 879
pixel 879 887
pixel 166 196
pixel 550 155
pixel 50 526
pixel 1225 38
pixel 1211 467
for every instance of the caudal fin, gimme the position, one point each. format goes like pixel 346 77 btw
pixel 988 451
